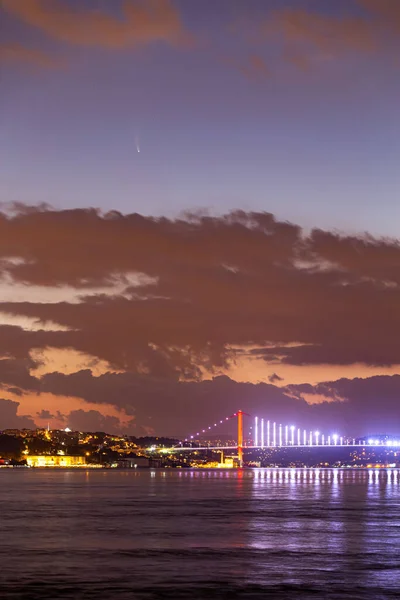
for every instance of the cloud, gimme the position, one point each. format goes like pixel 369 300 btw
pixel 15 372
pixel 274 378
pixel 326 33
pixel 142 22
pixel 147 404
pixel 173 407
pixel 93 420
pixel 210 287
pixel 358 406
pixel 9 418
pixel 387 13
pixel 180 408
pixel 308 37
pixel 16 53
pixel 46 414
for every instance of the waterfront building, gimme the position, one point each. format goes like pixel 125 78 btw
pixel 55 461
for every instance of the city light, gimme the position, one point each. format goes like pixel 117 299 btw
pixel 292 434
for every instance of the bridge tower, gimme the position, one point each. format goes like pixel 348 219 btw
pixel 240 414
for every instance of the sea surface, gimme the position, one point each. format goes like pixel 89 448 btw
pixel 177 534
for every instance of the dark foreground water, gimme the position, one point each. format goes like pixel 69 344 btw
pixel 272 533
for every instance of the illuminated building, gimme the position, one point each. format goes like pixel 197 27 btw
pixel 55 461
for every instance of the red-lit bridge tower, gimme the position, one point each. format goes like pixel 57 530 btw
pixel 240 414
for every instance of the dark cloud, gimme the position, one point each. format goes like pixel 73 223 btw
pixel 46 414
pixel 352 407
pixel 211 285
pixel 9 418
pixel 172 407
pixel 177 408
pixel 16 372
pixel 274 378
pixel 359 406
pixel 93 420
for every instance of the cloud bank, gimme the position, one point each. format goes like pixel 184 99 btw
pixel 167 303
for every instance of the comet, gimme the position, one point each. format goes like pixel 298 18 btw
pixel 137 144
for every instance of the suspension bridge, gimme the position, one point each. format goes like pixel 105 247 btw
pixel 266 434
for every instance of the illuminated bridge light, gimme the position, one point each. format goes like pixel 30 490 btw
pixel 292 434
pixel 287 436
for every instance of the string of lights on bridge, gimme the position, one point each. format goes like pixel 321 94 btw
pixel 269 434
pixel 210 428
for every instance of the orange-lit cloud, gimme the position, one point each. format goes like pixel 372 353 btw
pixel 308 37
pixel 143 22
pixel 15 53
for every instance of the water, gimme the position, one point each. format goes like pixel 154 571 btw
pixel 176 534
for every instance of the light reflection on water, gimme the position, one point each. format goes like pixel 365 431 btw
pixel 327 532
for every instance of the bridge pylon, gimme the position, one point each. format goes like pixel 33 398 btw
pixel 240 414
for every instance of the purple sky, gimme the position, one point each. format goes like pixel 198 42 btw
pixel 319 146
pixel 286 110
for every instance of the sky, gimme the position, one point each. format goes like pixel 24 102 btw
pixel 199 213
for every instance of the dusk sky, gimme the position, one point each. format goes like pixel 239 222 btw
pixel 199 213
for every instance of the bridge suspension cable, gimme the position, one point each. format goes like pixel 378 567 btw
pixel 209 428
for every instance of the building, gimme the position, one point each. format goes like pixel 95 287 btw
pixel 55 461
pixel 137 462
